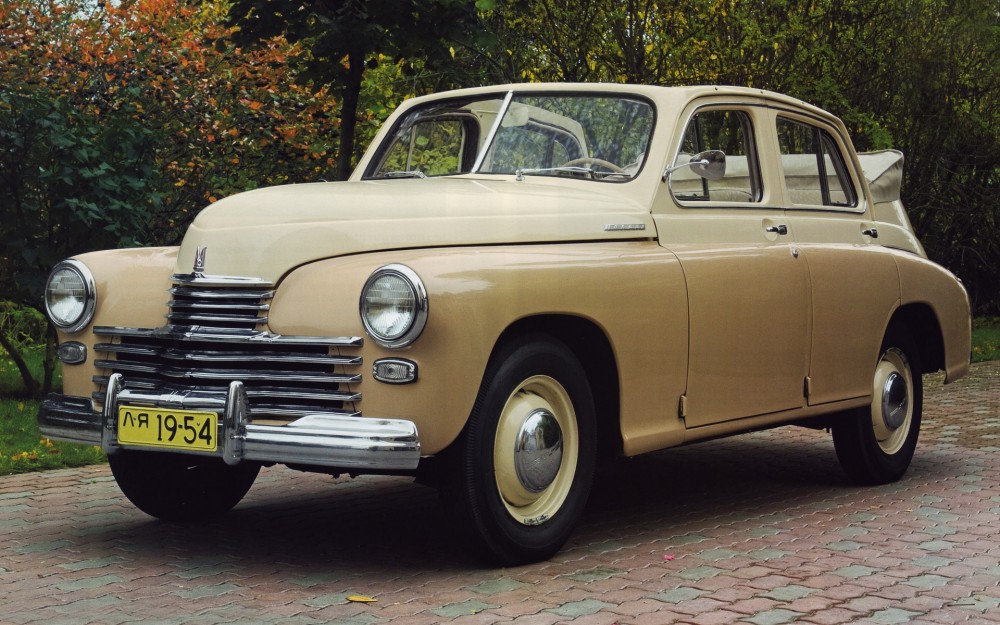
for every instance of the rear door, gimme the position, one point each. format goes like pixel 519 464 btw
pixel 854 281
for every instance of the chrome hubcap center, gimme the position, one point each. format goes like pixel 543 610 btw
pixel 894 401
pixel 538 450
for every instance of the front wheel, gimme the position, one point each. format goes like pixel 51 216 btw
pixel 876 443
pixel 526 457
pixel 177 487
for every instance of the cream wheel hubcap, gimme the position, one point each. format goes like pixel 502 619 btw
pixel 535 450
pixel 892 401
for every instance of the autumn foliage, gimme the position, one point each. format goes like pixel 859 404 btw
pixel 140 113
pixel 120 121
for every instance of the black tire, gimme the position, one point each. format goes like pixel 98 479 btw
pixel 520 512
pixel 177 487
pixel 874 444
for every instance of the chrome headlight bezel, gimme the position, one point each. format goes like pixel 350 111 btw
pixel 375 309
pixel 86 302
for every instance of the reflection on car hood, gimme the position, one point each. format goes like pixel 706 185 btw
pixel 266 233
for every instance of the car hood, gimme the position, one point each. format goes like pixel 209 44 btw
pixel 266 233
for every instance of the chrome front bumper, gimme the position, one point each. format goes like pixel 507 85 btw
pixel 317 440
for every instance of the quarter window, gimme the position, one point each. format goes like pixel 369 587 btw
pixel 731 132
pixel 431 147
pixel 814 169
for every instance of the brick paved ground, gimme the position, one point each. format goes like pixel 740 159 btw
pixel 758 529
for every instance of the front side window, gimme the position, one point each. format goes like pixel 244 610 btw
pixel 586 136
pixel 814 170
pixel 732 133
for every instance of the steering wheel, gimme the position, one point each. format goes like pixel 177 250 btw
pixel 600 162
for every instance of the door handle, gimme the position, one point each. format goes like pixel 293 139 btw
pixel 780 229
pixel 871 232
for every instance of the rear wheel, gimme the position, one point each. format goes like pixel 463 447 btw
pixel 526 457
pixel 875 444
pixel 177 487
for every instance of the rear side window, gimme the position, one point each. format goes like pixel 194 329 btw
pixel 731 132
pixel 814 169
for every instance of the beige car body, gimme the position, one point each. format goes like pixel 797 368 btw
pixel 693 321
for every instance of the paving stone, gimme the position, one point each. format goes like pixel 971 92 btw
pixel 684 593
pixel 455 610
pixel 854 571
pixel 927 581
pixel 215 590
pixel 699 572
pixel 891 616
pixel 789 593
pixel 496 586
pixel 774 617
pixel 574 609
pixel 595 574
pixel 981 603
pixel 89 582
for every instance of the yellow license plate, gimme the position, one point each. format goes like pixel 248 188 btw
pixel 176 429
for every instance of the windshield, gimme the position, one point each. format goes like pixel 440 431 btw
pixel 587 136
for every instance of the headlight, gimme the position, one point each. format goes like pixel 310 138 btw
pixel 394 306
pixel 70 296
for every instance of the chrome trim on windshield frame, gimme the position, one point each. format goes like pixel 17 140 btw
pixel 493 131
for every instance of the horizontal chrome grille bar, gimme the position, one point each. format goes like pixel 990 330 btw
pixel 216 356
pixel 227 335
pixel 193 318
pixel 216 294
pixel 246 375
pixel 261 393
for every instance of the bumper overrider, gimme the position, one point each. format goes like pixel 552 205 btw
pixel 320 439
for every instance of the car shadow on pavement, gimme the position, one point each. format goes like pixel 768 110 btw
pixel 372 526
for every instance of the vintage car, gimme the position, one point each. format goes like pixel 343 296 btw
pixel 516 283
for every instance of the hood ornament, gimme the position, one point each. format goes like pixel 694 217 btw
pixel 199 259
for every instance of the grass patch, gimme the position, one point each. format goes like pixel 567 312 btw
pixel 985 339
pixel 22 448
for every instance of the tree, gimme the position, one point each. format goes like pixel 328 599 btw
pixel 119 122
pixel 346 37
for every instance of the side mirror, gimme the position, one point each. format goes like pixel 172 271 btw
pixel 710 165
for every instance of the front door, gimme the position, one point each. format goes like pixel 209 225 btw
pixel 748 285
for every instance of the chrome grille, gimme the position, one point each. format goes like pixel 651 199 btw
pixel 215 335
pixel 220 307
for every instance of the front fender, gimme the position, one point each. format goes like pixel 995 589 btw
pixel 632 291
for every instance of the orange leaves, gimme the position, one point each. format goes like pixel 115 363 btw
pixel 225 119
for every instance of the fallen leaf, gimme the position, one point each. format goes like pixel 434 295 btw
pixel 361 599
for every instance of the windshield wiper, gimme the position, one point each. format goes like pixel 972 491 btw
pixel 410 173
pixel 520 173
